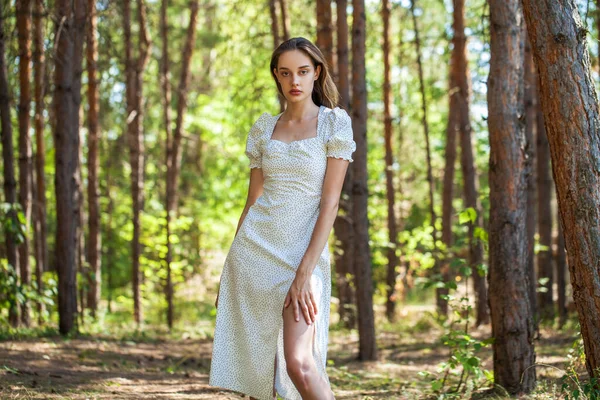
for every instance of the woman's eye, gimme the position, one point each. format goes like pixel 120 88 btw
pixel 284 74
pixel 303 72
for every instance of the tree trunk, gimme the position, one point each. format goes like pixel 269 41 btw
pixel 561 269
pixel 165 80
pixel 175 161
pixel 276 42
pixel 94 237
pixel 8 170
pixel 41 244
pixel 25 152
pixel 448 190
pixel 531 98
pixel 512 321
pixel 544 187
pixel 343 231
pixel 325 30
pixel 570 107
pixel 81 263
pixel 431 184
pixel 392 257
pixel 71 17
pixel 135 134
pixel 343 80
pixel 360 191
pixel 285 20
pixel 470 176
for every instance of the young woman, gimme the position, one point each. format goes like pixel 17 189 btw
pixel 273 304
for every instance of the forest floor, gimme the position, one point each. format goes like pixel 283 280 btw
pixel 103 367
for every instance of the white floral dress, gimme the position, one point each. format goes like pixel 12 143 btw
pixel 265 253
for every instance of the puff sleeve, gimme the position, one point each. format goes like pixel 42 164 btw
pixel 340 143
pixel 255 142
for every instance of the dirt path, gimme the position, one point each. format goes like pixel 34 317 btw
pixel 102 368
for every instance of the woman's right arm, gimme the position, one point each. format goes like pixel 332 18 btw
pixel 255 190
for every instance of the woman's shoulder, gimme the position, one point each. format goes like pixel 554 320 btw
pixel 337 118
pixel 261 125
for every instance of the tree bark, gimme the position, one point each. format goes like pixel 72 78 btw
pixel 392 257
pixel 276 42
pixel 285 20
pixel 40 227
pixel 71 19
pixel 8 170
pixel 470 176
pixel 343 80
pixel 531 98
pixel 512 321
pixel 431 183
pixel 561 281
pixel 325 30
pixel 570 106
pixel 135 134
pixel 175 162
pixel 23 8
pixel 343 231
pixel 448 189
pixel 94 237
pixel 360 191
pixel 544 187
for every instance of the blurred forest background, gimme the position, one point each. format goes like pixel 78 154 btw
pixel 123 131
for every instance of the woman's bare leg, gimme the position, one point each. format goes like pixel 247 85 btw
pixel 297 344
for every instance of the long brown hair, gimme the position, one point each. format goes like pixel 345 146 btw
pixel 324 92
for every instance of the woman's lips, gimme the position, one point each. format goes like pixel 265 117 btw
pixel 295 92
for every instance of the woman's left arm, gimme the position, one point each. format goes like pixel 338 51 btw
pixel 300 294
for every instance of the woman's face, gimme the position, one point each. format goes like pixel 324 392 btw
pixel 296 75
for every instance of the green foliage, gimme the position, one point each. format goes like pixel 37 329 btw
pixel 462 374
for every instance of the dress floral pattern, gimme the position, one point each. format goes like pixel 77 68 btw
pixel 262 261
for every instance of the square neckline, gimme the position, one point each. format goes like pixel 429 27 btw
pixel 295 141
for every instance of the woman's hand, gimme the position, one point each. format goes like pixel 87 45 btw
pixel 301 297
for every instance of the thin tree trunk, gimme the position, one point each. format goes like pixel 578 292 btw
pixel 448 189
pixel 135 134
pixel 470 176
pixel 41 244
pixel 25 151
pixel 71 18
pixel 342 227
pixel 81 264
pixel 512 321
pixel 544 187
pixel 165 79
pixel 570 106
pixel 343 80
pixel 8 170
pixel 276 42
pixel 285 20
pixel 325 30
pixel 93 190
pixel 430 182
pixel 114 154
pixel 175 162
pixel 392 256
pixel 531 98
pixel 360 191
pixel 561 269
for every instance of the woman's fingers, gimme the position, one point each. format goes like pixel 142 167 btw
pixel 296 312
pixel 311 311
pixel 314 303
pixel 287 301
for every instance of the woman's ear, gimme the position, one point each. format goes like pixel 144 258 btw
pixel 317 72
